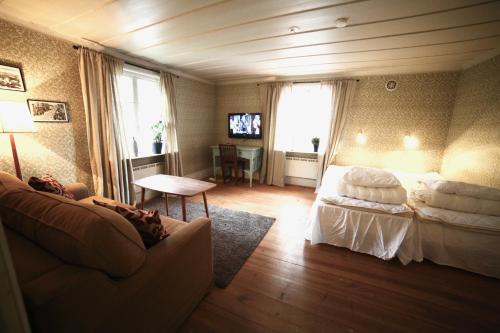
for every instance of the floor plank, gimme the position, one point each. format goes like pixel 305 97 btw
pixel 287 285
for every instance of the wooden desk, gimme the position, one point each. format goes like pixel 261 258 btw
pixel 251 153
pixel 180 186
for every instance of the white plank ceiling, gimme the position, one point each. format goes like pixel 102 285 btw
pixel 233 40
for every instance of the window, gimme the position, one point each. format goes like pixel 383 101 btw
pixel 303 113
pixel 142 105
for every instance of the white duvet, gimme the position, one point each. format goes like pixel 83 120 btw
pixel 389 195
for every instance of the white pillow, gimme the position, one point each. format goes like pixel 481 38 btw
pixel 370 177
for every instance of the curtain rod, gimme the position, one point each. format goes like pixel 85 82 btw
pixel 299 82
pixel 76 47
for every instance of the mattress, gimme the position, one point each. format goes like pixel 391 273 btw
pixel 463 240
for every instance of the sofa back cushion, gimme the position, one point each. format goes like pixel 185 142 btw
pixel 9 182
pixel 80 234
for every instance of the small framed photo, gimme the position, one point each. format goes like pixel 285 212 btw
pixel 47 111
pixel 11 78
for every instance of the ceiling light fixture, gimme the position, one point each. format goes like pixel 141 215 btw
pixel 341 22
pixel 294 29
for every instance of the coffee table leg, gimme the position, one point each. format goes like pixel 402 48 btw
pixel 143 194
pixel 183 201
pixel 166 203
pixel 205 202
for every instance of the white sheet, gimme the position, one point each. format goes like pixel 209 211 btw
pixel 467 241
pixel 380 234
pixel 389 195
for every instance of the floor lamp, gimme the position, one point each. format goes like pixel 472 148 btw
pixel 15 117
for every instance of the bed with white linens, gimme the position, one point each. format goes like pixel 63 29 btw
pixel 384 229
pixel 459 225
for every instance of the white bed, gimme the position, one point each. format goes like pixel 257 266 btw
pixel 382 230
pixel 463 240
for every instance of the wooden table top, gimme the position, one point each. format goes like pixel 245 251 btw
pixel 183 186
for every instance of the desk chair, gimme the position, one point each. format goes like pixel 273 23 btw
pixel 229 160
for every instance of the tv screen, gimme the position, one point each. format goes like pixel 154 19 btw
pixel 245 125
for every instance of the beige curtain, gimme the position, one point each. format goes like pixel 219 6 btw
pixel 342 94
pixel 273 162
pixel 173 162
pixel 109 157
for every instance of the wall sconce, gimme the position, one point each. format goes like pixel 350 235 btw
pixel 361 138
pixel 410 141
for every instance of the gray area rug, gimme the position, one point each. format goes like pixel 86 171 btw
pixel 235 234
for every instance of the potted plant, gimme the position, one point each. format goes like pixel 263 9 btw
pixel 315 142
pixel 158 130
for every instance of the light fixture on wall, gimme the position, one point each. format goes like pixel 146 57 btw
pixel 361 138
pixel 15 118
pixel 410 141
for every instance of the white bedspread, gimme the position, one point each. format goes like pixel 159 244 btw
pixel 383 234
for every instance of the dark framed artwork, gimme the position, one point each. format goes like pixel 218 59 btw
pixel 11 78
pixel 48 111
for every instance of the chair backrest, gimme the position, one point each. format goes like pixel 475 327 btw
pixel 228 153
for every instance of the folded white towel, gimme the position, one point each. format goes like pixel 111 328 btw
pixel 386 195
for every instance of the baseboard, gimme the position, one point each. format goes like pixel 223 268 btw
pixel 201 174
pixel 306 182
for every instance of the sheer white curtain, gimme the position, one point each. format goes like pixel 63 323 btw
pixel 303 114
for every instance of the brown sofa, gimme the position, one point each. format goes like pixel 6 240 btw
pixel 83 268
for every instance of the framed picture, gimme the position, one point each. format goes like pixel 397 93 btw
pixel 11 78
pixel 47 111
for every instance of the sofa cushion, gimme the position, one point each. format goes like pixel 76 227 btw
pixel 9 182
pixel 49 184
pixel 147 223
pixel 77 233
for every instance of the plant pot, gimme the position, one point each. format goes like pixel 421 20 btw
pixel 316 148
pixel 157 147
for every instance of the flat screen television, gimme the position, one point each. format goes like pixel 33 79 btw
pixel 244 125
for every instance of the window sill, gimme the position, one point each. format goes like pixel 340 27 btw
pixel 146 156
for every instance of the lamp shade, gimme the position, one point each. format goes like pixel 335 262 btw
pixel 15 117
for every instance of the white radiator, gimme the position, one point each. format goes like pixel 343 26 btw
pixel 301 171
pixel 146 171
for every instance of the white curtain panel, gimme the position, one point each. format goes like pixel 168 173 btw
pixel 109 157
pixel 173 161
pixel 342 92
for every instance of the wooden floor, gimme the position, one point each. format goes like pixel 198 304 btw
pixel 288 285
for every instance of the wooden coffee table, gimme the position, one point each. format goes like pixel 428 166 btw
pixel 179 186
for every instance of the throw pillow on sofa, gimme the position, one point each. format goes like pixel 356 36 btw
pixel 49 184
pixel 147 223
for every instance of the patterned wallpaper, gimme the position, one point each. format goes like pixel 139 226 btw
pixel 233 99
pixel 196 116
pixel 473 149
pixel 50 68
pixel 421 105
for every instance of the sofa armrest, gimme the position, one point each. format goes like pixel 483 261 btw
pixel 79 190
